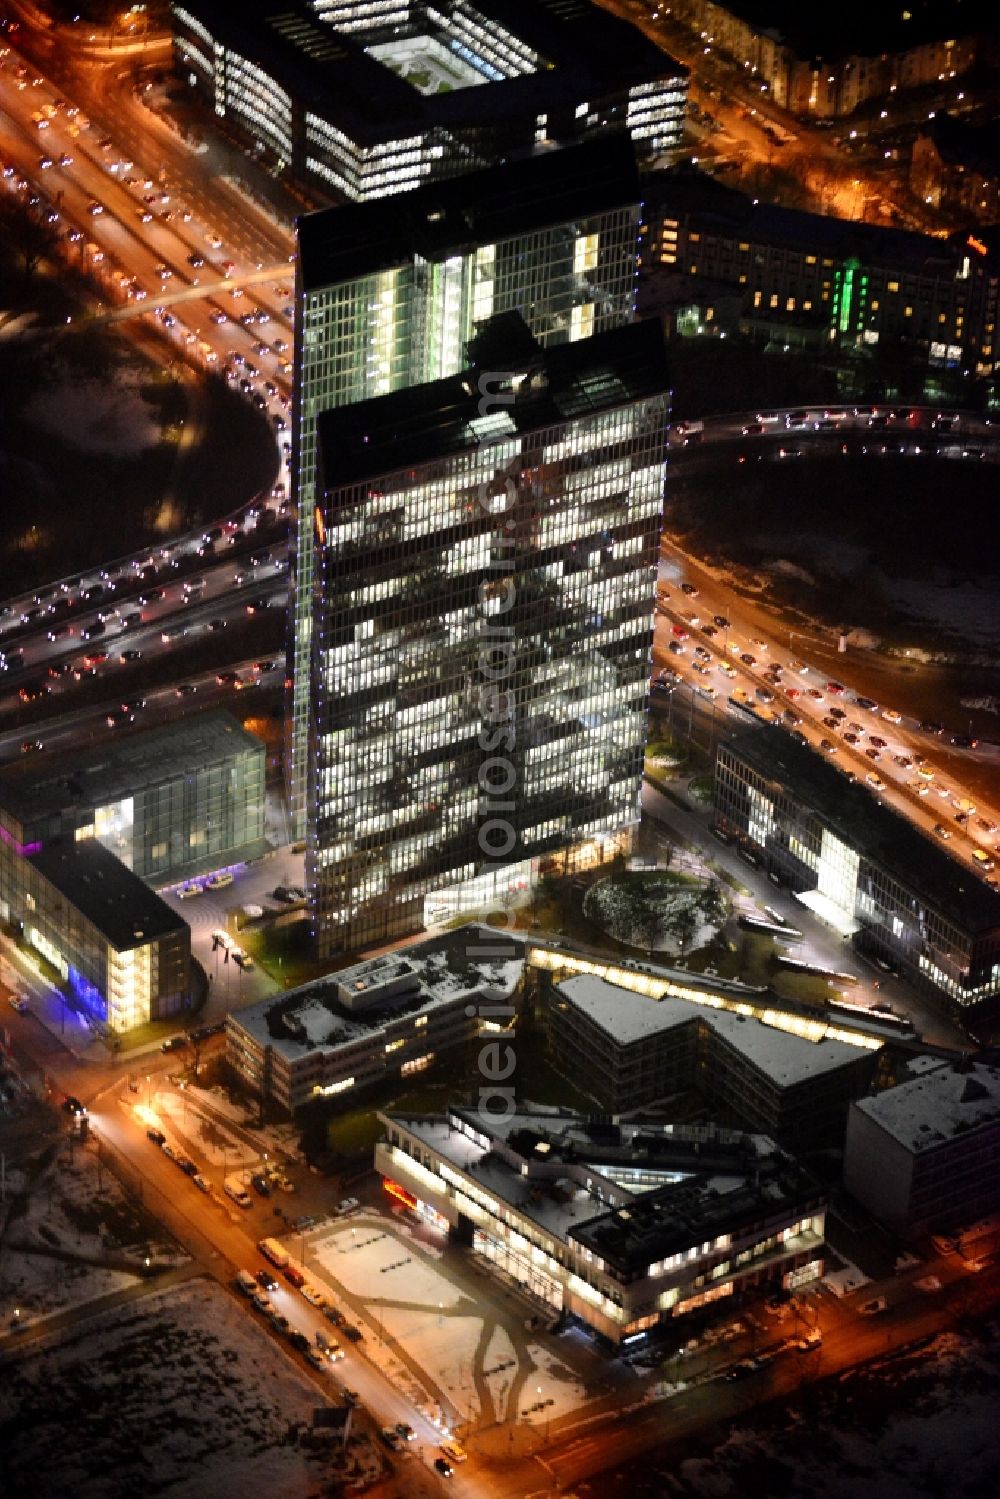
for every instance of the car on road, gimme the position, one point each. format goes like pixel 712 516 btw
pixel 156 1135
pixel 315 1356
pixel 828 745
pixel 964 741
pixel 188 892
pixel 930 726
pixel 185 689
pixel 390 1437
pixel 18 1002
pixel 294 1276
pixel 942 832
pixel 257 606
pixel 200 1182
pixel 174 1043
pixel 875 780
pixel 872 1308
pixel 312 1295
pixel 30 746
pixel 405 1431
pixel 891 716
pixel 219 881
pixel 869 704
pixel 262 1303
pixel 261 1185
pixel 299 1341
pixel 443 1466
pixel 347 1205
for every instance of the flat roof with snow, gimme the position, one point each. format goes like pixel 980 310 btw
pixel 942 1103
pixel 473 961
pixel 632 1194
pixel 628 1017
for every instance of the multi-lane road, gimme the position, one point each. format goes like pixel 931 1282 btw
pixel 732 650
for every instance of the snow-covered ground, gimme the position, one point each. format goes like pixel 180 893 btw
pixel 96 416
pixel 74 1238
pixel 178 1394
pixel 441 1326
pixel 919 1426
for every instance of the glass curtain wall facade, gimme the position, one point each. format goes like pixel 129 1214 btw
pixel 416 581
pixel 409 324
pixel 898 917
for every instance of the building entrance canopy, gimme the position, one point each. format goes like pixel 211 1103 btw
pixel 829 911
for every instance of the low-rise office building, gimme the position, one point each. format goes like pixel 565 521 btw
pixel 626 1050
pixel 623 1227
pixel 367 98
pixel 384 1018
pixel 922 1157
pixel 169 802
pixel 730 263
pixel 122 954
pixel 865 869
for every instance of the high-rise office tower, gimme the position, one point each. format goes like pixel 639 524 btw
pixel 389 292
pixel 485 561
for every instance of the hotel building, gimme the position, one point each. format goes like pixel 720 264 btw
pixel 362 99
pixel 486 551
pixel 865 869
pixel 390 292
pixel 624 1227
pixel 729 263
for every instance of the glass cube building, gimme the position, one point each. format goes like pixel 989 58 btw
pixel 169 802
pixel 390 292
pixel 483 606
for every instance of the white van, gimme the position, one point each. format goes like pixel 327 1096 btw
pixel 239 1194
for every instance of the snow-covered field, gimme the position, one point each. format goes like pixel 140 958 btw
pixel 442 1326
pixel 74 1237
pixel 919 1426
pixel 97 416
pixel 177 1394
